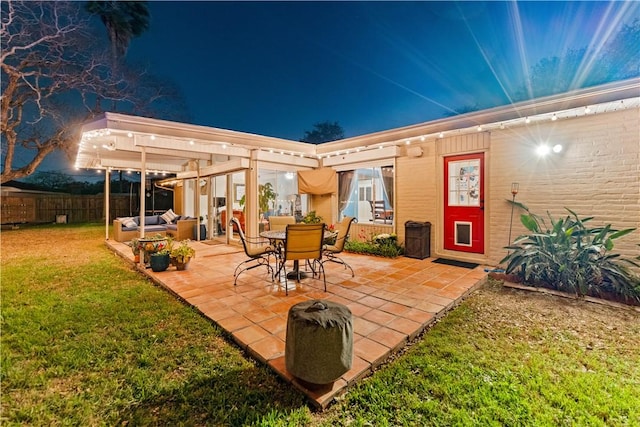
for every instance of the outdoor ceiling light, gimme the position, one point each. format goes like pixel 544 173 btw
pixel 479 128
pixel 554 117
pixel 587 110
pixel 130 135
pixel 557 148
pixel 527 120
pixel 441 135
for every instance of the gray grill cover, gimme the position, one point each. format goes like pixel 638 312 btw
pixel 319 346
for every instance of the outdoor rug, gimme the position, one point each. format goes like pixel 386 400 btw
pixel 469 265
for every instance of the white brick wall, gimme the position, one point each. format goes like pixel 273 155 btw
pixel 596 174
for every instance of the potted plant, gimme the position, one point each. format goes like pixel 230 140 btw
pixel 151 245
pixel 182 254
pixel 265 195
pixel 135 248
pixel 312 218
pixel 160 260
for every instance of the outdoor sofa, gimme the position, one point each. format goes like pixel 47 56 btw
pixel 180 228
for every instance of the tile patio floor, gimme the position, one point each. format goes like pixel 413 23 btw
pixel 392 301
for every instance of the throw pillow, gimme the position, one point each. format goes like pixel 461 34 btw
pixel 168 216
pixel 129 223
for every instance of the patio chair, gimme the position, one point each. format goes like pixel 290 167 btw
pixel 257 249
pixel 330 252
pixel 380 212
pixel 280 222
pixel 303 243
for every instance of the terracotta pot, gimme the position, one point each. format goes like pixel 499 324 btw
pixel 181 265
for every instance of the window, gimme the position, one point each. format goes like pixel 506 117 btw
pixel 367 195
pixel 278 194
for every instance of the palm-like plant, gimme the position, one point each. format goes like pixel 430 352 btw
pixel 569 256
pixel 124 20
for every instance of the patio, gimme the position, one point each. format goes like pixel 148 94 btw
pixel 392 302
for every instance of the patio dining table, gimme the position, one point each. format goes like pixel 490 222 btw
pixel 278 239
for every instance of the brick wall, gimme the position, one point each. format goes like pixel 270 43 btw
pixel 596 174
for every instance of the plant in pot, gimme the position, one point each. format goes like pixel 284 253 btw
pixel 135 248
pixel 160 260
pixel 182 254
pixel 266 195
pixel 312 218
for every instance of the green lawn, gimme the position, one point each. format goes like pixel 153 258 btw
pixel 88 341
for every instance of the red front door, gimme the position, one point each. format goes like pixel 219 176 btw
pixel 464 203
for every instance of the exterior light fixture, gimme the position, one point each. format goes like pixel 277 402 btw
pixel 554 117
pixel 224 146
pixel 191 142
pixel 587 110
pixel 422 138
pixel 408 142
pixel 479 128
pixel 527 120
pixel 153 137
pixel 501 125
pixel 543 150
pixel 441 135
pixel 557 148
pixel 130 135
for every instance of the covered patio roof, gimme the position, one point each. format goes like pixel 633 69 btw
pixel 118 141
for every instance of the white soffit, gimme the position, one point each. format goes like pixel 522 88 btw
pixel 285 158
pixel 362 156
pixel 231 166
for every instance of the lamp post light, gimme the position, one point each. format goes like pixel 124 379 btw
pixel 514 190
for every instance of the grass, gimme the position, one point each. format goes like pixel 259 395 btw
pixel 88 341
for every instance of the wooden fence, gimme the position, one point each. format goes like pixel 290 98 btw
pixel 44 208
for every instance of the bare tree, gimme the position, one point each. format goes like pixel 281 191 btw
pixel 54 77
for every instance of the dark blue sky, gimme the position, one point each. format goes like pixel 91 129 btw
pixel 277 68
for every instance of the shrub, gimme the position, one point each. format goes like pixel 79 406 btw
pixel 568 256
pixel 385 245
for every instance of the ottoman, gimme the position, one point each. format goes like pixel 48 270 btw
pixel 319 343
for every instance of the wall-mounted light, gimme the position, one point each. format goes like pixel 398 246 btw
pixel 587 109
pixel 543 150
pixel 527 120
pixel 514 188
pixel 554 117
pixel 441 135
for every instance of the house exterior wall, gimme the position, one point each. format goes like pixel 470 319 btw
pixel 419 183
pixel 596 174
